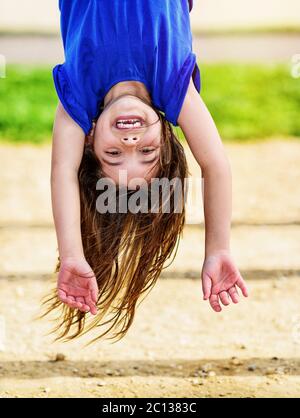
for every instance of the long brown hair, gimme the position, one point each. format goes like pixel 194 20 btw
pixel 126 251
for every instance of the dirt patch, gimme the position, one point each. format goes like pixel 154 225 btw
pixel 172 349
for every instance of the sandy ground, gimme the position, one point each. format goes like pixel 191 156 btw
pixel 173 348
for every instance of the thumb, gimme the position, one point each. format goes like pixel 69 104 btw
pixel 206 286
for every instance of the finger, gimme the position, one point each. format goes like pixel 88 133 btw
pixel 214 303
pixel 79 303
pixel 92 306
pixel 93 289
pixel 62 295
pixel 71 302
pixel 224 298
pixel 84 306
pixel 206 286
pixel 233 294
pixel 242 285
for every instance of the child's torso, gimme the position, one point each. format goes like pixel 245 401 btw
pixel 107 41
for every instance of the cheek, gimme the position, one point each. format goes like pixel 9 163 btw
pixel 97 146
pixel 102 140
pixel 111 173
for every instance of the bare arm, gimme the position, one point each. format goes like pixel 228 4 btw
pixel 67 150
pixel 206 145
pixel 220 275
pixel 76 285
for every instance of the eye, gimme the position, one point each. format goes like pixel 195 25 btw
pixel 112 152
pixel 147 150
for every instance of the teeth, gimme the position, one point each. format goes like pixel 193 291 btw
pixel 129 123
pixel 128 120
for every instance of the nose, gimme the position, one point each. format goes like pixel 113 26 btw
pixel 130 139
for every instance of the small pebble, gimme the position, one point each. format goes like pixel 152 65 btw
pixel 206 367
pixel 60 357
pixel 109 372
pixel 197 382
pixel 280 370
pixel 46 390
pixel 101 384
pixel 212 374
pixel 236 362
pixel 269 371
pixel 194 381
pixel 119 373
pixel 252 368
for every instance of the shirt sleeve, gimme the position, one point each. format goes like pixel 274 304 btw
pixel 72 80
pixel 65 94
pixel 178 88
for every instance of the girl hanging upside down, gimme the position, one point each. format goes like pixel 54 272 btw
pixel 129 75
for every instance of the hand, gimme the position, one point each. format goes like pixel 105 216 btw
pixel 77 285
pixel 220 278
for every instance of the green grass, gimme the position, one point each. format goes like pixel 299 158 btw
pixel 246 102
pixel 252 101
pixel 27 104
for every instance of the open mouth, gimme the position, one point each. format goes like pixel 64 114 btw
pixel 129 122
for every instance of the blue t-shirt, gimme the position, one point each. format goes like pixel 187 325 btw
pixel 106 42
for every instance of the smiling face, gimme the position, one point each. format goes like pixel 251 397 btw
pixel 132 145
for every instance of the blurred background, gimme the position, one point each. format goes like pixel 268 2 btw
pixel 249 57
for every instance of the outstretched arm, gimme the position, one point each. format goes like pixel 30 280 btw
pixel 220 276
pixel 76 282
pixel 67 150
